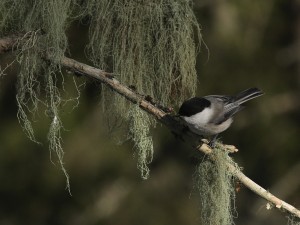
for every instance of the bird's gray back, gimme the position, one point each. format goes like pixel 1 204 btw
pixel 223 106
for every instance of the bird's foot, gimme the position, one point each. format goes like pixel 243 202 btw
pixel 213 142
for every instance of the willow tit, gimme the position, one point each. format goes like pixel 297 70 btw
pixel 213 114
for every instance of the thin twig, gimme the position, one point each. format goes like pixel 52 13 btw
pixel 163 117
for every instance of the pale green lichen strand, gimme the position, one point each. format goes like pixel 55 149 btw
pixel 140 134
pixel 43 23
pixel 149 45
pixel 215 185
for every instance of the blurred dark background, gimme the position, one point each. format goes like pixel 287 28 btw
pixel 251 44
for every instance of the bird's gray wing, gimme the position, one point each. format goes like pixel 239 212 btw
pixel 231 110
pixel 222 98
pixel 224 107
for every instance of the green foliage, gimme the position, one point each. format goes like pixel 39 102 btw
pixel 215 186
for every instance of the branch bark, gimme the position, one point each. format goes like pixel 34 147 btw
pixel 6 43
pixel 172 123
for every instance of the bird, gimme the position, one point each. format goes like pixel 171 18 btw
pixel 210 115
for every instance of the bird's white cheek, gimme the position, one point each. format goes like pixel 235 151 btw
pixel 200 118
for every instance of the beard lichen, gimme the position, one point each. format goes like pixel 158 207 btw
pixel 215 185
pixel 292 220
pixel 140 134
pixel 44 23
pixel 149 45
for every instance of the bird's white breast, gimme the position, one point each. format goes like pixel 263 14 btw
pixel 200 123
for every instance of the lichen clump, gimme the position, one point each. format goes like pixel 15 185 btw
pixel 43 24
pixel 148 45
pixel 214 183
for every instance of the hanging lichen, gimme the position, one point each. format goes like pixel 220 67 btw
pixel 148 45
pixel 139 133
pixel 43 24
pixel 215 186
pixel 292 220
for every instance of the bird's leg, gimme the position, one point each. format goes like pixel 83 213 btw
pixel 212 143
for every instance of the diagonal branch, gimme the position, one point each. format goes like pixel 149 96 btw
pixel 172 123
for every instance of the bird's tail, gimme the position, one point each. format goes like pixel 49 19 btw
pixel 247 95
